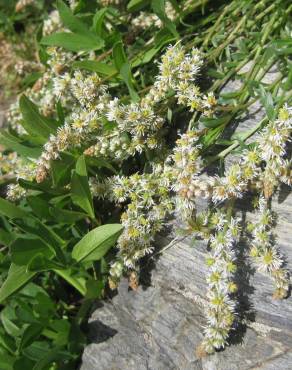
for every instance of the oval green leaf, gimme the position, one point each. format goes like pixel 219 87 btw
pixel 94 245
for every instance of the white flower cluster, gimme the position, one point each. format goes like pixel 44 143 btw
pixel 146 20
pixel 52 24
pixel 187 165
pixel 65 138
pixel 257 169
pixel 272 146
pixel 87 89
pixel 24 66
pixel 237 177
pixel 117 147
pixel 265 253
pixel 14 117
pixel 86 95
pixel 178 72
pixel 220 312
pixel 58 60
pixel 8 162
pixel 139 121
pixel 43 92
pixel 150 203
pixel 14 167
pixel 73 4
pixel 136 125
pixel 22 170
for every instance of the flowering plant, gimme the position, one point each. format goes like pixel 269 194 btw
pixel 106 147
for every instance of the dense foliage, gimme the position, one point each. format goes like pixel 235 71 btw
pixel 121 112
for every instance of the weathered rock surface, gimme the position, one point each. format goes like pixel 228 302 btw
pixel 159 326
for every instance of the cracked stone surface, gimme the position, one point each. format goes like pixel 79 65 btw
pixel 159 326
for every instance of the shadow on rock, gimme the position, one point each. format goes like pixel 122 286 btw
pixel 99 332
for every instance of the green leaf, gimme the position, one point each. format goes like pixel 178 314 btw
pixel 158 7
pixel 30 334
pixel 78 282
pixel 65 216
pixel 212 136
pixel 8 319
pixel 127 77
pixel 94 245
pixel 94 288
pixel 135 5
pixel 77 339
pixel 6 360
pixel 41 263
pixel 81 169
pixel 95 66
pixel 30 79
pixel 10 210
pixel 100 163
pixel 73 41
pixel 213 122
pixel 60 200
pixel 123 66
pixel 34 123
pixel 17 277
pixel 61 169
pixel 23 363
pixel 145 58
pixel 267 101
pixel 70 20
pixel 24 249
pixel 10 141
pixel 45 233
pixel 6 237
pixel 25 313
pixel 32 290
pixel 119 55
pixel 230 95
pixel 62 330
pixel 163 37
pixel 7 342
pixel 43 55
pixel 98 21
pixel 282 42
pixel 37 350
pixel 44 307
pixel 39 207
pixel 80 190
pixel 215 74
pixel 60 113
pixel 55 354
